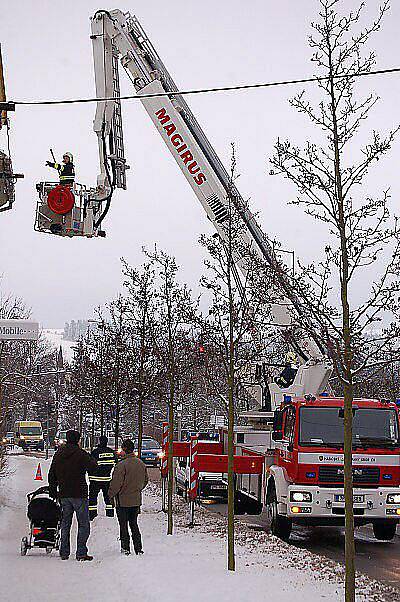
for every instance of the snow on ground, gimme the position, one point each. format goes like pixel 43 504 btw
pixel 190 565
pixel 55 338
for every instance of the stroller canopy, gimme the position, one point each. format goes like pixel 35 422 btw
pixel 44 511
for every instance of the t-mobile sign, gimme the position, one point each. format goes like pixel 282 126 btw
pixel 19 330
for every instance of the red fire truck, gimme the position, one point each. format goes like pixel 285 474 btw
pixel 303 458
pixel 298 432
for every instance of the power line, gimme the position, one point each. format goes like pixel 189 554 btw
pixel 207 90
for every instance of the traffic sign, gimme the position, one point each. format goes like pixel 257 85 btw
pixel 217 421
pixel 19 330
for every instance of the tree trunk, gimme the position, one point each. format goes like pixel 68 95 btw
pixel 348 495
pixel 231 399
pixel 102 414
pixel 347 353
pixel 170 452
pixel 116 431
pixel 141 370
pixel 93 420
pixel 80 414
pixel 3 413
pixel 231 481
pixel 140 423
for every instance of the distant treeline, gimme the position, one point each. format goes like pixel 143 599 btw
pixel 75 329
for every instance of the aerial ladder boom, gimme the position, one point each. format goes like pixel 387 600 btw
pixel 117 34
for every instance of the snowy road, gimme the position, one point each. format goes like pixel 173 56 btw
pixel 188 566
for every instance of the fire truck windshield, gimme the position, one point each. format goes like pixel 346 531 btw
pixel 324 427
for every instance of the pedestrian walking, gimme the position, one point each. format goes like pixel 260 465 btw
pixel 100 478
pixel 67 480
pixel 128 481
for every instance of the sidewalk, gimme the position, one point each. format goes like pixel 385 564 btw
pixel 191 565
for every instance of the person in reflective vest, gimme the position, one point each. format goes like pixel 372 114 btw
pixel 288 374
pixel 100 478
pixel 65 169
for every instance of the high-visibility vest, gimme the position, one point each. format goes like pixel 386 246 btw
pixel 106 460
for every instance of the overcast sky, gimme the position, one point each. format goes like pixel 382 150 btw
pixel 47 54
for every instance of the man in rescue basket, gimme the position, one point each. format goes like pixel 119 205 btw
pixel 99 479
pixel 65 169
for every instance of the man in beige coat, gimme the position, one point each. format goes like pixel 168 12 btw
pixel 128 480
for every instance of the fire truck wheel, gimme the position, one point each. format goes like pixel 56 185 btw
pixel 281 526
pixel 385 530
pixel 240 504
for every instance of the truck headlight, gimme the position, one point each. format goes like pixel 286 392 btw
pixel 393 498
pixel 300 496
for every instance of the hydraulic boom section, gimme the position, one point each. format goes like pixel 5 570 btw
pixel 115 34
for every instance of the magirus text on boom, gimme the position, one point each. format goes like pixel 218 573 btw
pixel 118 37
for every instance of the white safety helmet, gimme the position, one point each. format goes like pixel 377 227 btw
pixel 291 357
pixel 70 156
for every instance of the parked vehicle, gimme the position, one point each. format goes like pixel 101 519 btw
pixel 151 451
pixel 8 439
pixel 60 439
pixel 28 434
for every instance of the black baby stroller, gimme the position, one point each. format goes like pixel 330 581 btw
pixel 44 516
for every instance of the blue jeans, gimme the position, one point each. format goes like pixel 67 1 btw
pixel 80 506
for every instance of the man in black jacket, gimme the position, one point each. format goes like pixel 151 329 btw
pixel 66 170
pixel 99 479
pixel 68 473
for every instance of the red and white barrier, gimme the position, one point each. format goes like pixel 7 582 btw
pixel 194 478
pixel 164 465
pixel 164 460
pixel 194 475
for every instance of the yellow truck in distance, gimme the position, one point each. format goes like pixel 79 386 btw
pixel 28 434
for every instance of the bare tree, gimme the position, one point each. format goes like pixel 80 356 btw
pixel 27 387
pixel 140 286
pixel 358 335
pixel 172 306
pixel 238 314
pixel 11 307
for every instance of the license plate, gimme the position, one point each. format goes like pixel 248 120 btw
pixel 357 499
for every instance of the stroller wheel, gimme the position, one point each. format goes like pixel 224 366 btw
pixel 24 546
pixel 49 549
